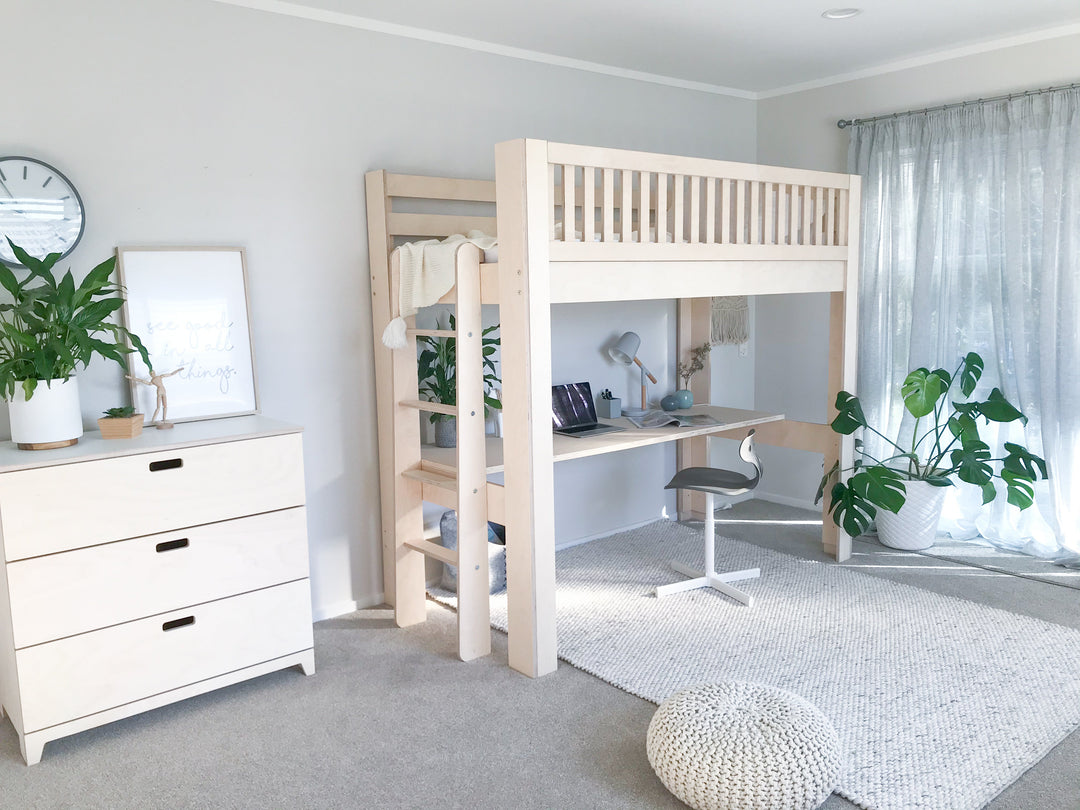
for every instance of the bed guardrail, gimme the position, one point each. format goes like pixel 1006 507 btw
pixel 690 200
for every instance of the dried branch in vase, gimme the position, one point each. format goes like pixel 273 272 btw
pixel 696 364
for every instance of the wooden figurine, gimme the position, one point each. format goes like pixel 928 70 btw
pixel 162 401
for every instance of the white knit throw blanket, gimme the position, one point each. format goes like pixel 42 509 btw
pixel 428 273
pixel 730 319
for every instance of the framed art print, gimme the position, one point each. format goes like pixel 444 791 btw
pixel 189 307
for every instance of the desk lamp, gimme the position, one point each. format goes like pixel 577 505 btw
pixel 625 352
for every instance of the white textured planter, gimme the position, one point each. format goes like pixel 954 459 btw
pixel 914 527
pixel 50 418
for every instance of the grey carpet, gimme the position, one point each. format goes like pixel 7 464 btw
pixel 940 702
pixel 392 720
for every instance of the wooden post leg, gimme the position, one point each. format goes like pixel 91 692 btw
pixel 521 181
pixel 474 616
pixel 694 328
pixel 841 377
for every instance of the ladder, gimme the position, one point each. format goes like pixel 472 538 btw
pixel 406 480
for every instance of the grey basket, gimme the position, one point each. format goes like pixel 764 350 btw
pixel 496 555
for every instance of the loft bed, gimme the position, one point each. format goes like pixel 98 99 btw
pixel 579 224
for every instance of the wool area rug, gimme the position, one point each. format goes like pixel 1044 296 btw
pixel 940 703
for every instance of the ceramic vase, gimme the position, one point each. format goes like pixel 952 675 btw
pixel 50 418
pixel 446 432
pixel 670 402
pixel 684 397
pixel 914 527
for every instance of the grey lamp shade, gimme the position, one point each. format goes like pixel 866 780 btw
pixel 626 349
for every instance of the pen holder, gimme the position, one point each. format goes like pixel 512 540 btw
pixel 610 408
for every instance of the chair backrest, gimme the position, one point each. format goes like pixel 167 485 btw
pixel 748 454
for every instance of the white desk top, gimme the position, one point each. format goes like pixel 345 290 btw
pixel 569 447
pixel 185 434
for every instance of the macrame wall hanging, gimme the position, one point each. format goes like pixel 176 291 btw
pixel 730 320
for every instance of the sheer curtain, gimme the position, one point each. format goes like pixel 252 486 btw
pixel 971 242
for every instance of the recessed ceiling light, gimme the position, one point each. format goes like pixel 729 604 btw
pixel 840 13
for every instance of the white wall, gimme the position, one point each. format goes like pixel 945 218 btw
pixel 202 123
pixel 800 130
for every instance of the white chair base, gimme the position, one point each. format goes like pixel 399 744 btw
pixel 709 578
pixel 713 580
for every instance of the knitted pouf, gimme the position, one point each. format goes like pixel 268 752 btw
pixel 743 746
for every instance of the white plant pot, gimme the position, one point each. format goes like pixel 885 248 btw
pixel 914 527
pixel 50 418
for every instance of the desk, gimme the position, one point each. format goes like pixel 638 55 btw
pixel 565 448
pixel 534 562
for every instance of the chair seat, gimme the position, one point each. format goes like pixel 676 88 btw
pixel 709 479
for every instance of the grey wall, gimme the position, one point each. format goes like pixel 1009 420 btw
pixel 800 130
pixel 197 123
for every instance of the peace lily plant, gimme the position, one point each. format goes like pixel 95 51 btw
pixel 944 447
pixel 437 376
pixel 48 330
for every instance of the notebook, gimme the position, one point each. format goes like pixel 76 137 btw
pixel 573 411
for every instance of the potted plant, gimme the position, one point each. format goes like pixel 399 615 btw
pixel 437 376
pixel 683 397
pixel 49 330
pixel 120 423
pixel 905 491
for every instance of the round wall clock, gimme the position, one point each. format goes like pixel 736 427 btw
pixel 40 210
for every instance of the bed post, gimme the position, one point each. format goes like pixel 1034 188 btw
pixel 401 509
pixel 522 194
pixel 843 340
pixel 694 317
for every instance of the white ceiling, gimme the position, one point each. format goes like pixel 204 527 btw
pixel 752 47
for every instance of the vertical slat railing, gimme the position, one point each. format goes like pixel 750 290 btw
pixel 604 204
pixel 644 223
pixel 588 205
pixel 569 186
pixel 695 210
pixel 661 207
pixel 710 209
pixel 608 194
pixel 679 194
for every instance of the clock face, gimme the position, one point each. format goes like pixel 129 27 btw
pixel 40 210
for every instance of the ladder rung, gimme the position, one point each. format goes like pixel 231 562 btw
pixel 436 488
pixel 433 407
pixel 447 482
pixel 447 333
pixel 433 550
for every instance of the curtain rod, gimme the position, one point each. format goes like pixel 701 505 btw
pixel 850 122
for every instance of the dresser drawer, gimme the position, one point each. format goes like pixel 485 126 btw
pixel 63 594
pixel 81 675
pixel 82 504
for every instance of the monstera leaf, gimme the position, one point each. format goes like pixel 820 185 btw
pixel 850 417
pixel 851 511
pixel 921 391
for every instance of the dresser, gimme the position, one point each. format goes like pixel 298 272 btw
pixel 139 572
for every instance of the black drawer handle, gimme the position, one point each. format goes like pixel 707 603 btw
pixel 166 464
pixel 175 623
pixel 171 545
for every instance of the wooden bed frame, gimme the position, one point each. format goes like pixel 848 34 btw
pixel 581 224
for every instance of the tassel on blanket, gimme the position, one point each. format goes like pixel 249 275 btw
pixel 393 337
pixel 730 319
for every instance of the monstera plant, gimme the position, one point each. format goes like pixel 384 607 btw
pixel 944 447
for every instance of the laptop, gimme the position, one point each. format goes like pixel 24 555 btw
pixel 573 411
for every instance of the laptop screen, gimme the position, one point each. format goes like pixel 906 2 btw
pixel 572 405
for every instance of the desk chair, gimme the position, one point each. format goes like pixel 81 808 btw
pixel 713 482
